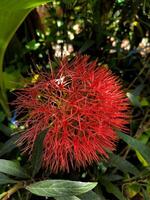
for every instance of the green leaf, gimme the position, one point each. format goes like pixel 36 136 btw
pixel 132 189
pixel 33 45
pixel 111 188
pixel 12 14
pixel 137 91
pixel 114 177
pixel 9 145
pixel 134 99
pixel 5 179
pixel 6 130
pixel 59 188
pixel 12 168
pixel 144 102
pixel 13 79
pixel 120 1
pixel 67 198
pixel 122 164
pixel 37 152
pixel 136 145
pixel 141 159
pixel 91 196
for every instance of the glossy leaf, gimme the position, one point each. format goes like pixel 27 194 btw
pixel 59 188
pixel 12 168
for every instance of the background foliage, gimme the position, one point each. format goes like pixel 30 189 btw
pixel 116 32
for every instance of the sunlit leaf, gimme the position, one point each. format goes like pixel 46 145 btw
pixel 12 14
pixel 144 139
pixel 33 45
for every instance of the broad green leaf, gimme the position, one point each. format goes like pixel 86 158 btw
pixel 9 145
pixel 37 152
pixel 12 168
pixel 136 145
pixel 113 189
pixel 67 198
pixel 5 179
pixel 122 164
pixel 59 188
pixel 12 14
pixel 91 195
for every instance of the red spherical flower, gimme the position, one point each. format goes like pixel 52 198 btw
pixel 81 106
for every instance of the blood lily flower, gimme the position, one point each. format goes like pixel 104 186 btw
pixel 81 106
